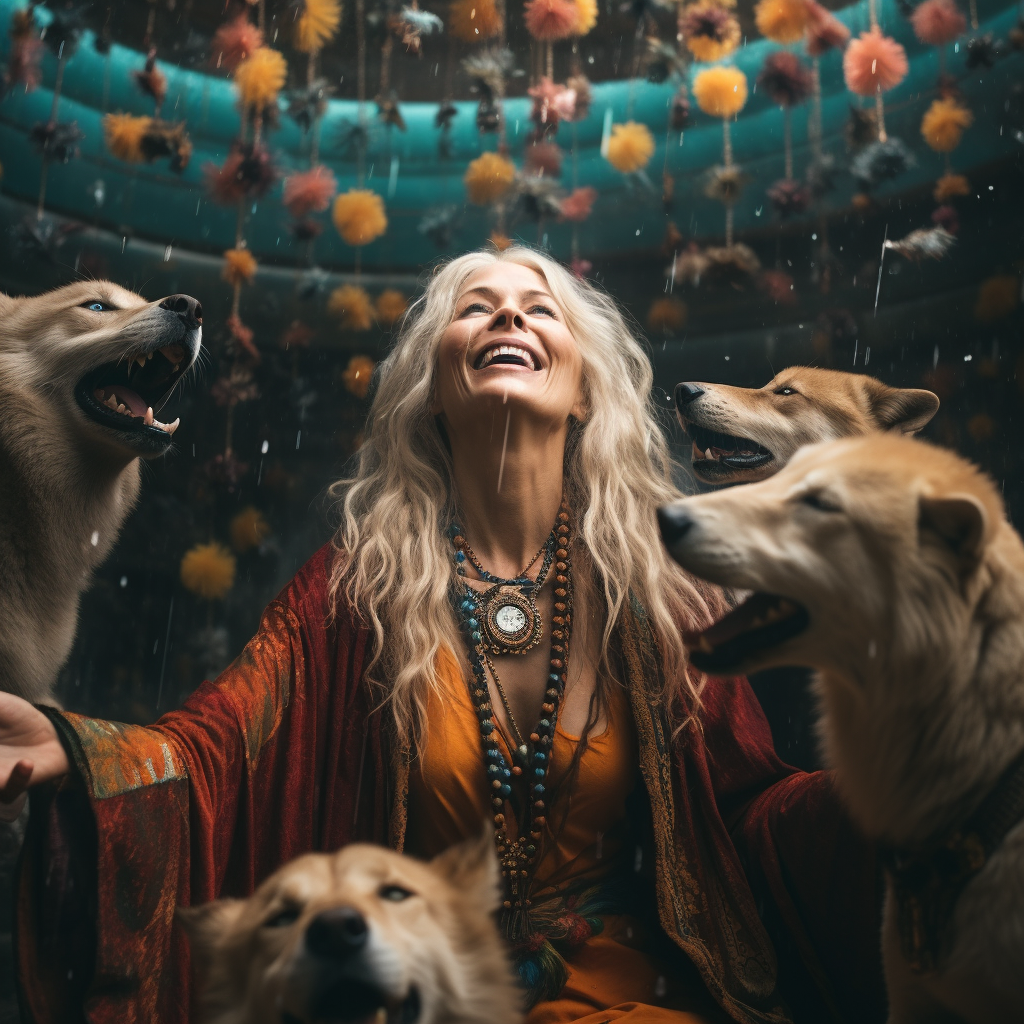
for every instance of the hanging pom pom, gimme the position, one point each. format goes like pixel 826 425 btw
pixel 725 184
pixel 249 529
pixel 309 191
pixel 352 306
pixel 123 134
pixel 550 20
pixel 500 241
pixel 938 22
pixel 778 286
pixel 261 78
pixel 881 161
pixel 789 197
pixel 782 21
pixel 922 244
pixel 578 204
pixel 946 217
pixel 233 42
pixel 785 78
pixel 949 186
pixel 731 266
pixel 543 158
pixel 998 297
pixel 667 315
pixel 630 147
pixel 944 123
pixel 248 171
pixel 720 92
pixel 488 178
pixel 824 30
pixel 208 570
pixel 358 375
pixel 874 63
pixel 472 21
pixel 239 266
pixel 710 31
pixel 151 80
pixel 26 51
pixel 359 216
pixel 391 304
pixel 316 25
pixel 586 16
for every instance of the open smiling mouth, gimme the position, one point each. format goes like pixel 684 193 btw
pixel 124 395
pixel 356 1002
pixel 717 455
pixel 760 623
pixel 505 355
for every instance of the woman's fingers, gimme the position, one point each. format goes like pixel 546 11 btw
pixel 17 781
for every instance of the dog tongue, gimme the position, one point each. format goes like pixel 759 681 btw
pixel 125 396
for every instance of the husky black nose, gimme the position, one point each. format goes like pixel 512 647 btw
pixel 337 933
pixel 190 310
pixel 674 523
pixel 686 393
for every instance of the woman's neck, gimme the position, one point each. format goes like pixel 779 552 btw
pixel 509 486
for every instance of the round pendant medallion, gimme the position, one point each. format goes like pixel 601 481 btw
pixel 511 622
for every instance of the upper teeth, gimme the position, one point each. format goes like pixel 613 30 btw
pixel 149 419
pixel 508 350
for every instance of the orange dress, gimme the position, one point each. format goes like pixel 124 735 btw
pixel 614 974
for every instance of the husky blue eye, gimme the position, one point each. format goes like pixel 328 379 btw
pixel 395 893
pixel 98 307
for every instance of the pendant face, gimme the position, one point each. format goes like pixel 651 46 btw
pixel 511 621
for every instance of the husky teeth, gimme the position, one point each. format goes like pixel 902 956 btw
pixel 148 420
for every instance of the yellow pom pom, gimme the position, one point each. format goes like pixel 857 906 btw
pixel 474 20
pixel 123 134
pixel 260 78
pixel 720 92
pixel 208 570
pixel 317 24
pixel 707 50
pixel 943 124
pixel 782 21
pixel 359 216
pixel 488 178
pixel 586 15
pixel 630 147
pixel 358 374
pixel 239 266
pixel 249 529
pixel 391 304
pixel 667 315
pixel 352 306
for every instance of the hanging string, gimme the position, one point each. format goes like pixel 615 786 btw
pixel 727 159
pixel 45 168
pixel 787 130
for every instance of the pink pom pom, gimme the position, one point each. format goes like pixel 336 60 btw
pixel 874 63
pixel 233 42
pixel 550 20
pixel 824 30
pixel 309 192
pixel 785 78
pixel 544 158
pixel 577 205
pixel 938 22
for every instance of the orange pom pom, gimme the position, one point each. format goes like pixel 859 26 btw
pixel 944 123
pixel 782 21
pixel 938 22
pixel 239 266
pixel 666 315
pixel 709 30
pixel 359 216
pixel 391 304
pixel 309 191
pixel 630 147
pixel 249 529
pixel 949 186
pixel 352 306
pixel 550 20
pixel 721 91
pixel 577 205
pixel 997 298
pixel 233 42
pixel 317 24
pixel 586 16
pixel 261 78
pixel 874 63
pixel 208 570
pixel 499 241
pixel 358 374
pixel 488 178
pixel 124 133
pixel 474 20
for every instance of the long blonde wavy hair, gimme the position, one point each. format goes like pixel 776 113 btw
pixel 394 564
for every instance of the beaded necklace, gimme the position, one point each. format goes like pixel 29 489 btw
pixel 517 855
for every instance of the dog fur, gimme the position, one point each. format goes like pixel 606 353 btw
pixel 910 581
pixel 69 478
pixel 359 936
pixel 801 405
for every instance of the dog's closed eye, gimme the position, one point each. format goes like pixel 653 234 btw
pixel 820 501
pixel 394 893
pixel 283 916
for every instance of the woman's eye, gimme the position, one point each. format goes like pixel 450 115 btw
pixel 284 917
pixel 97 307
pixel 547 311
pixel 394 893
pixel 474 307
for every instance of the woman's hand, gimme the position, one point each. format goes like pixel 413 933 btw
pixel 30 751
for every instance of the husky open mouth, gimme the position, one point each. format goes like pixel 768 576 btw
pixel 125 396
pixel 716 455
pixel 358 1002
pixel 761 622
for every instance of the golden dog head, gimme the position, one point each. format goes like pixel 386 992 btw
pixel 90 364
pixel 360 936
pixel 744 434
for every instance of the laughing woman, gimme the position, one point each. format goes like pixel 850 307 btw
pixel 493 635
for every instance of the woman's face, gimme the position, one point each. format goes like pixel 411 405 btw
pixel 508 342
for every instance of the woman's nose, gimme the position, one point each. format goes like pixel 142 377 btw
pixel 508 316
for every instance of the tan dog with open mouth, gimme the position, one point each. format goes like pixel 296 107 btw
pixel 889 566
pixel 361 936
pixel 745 434
pixel 83 370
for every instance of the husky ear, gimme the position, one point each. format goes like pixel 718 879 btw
pixel 207 924
pixel 472 865
pixel 903 410
pixel 959 522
